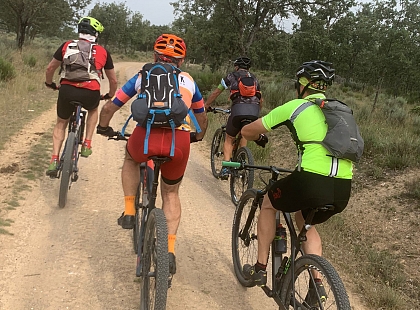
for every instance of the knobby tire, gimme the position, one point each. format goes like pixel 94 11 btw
pixel 244 251
pixel 155 271
pixel 139 208
pixel 216 155
pixel 337 297
pixel 241 180
pixel 67 169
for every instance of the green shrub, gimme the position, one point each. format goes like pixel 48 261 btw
pixel 7 71
pixel 29 60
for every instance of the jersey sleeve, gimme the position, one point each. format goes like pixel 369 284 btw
pixel 126 92
pixel 109 64
pixel 58 55
pixel 197 104
pixel 226 81
pixel 275 117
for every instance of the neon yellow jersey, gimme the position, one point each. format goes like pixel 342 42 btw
pixel 309 125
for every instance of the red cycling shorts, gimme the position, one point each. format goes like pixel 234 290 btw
pixel 160 141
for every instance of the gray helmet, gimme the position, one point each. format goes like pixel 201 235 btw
pixel 317 70
pixel 242 62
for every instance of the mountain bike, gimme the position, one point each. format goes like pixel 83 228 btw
pixel 150 237
pixel 292 278
pixel 67 167
pixel 240 180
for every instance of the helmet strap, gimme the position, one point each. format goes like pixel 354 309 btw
pixel 300 94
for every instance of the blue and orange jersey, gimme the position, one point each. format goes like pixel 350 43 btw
pixel 187 87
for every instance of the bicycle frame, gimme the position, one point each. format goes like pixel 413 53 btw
pixel 280 264
pixel 151 204
pixel 76 125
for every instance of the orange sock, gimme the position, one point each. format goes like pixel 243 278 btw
pixel 54 157
pixel 171 243
pixel 88 143
pixel 130 209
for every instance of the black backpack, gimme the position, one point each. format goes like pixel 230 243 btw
pixel 159 103
pixel 343 139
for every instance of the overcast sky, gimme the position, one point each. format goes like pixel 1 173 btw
pixel 158 12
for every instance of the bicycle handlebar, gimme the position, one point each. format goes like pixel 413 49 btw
pixel 218 110
pixel 242 165
pixel 118 136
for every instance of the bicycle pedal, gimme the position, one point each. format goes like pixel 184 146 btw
pixel 170 281
pixel 75 178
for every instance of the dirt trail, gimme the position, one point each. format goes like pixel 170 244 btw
pixel 79 258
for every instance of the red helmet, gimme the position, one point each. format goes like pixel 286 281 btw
pixel 170 45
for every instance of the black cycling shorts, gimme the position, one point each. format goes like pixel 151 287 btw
pixel 305 190
pixel 88 98
pixel 240 115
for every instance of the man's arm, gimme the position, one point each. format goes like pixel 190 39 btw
pixel 52 66
pixel 252 131
pixel 107 112
pixel 202 121
pixel 112 79
pixel 213 96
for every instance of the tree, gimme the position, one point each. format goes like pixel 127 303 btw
pixel 25 16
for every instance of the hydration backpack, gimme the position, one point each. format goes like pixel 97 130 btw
pixel 343 139
pixel 159 103
pixel 78 64
pixel 246 86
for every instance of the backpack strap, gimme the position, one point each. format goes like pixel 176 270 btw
pixel 299 143
pixel 126 124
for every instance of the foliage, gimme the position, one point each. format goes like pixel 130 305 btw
pixel 7 71
pixel 31 17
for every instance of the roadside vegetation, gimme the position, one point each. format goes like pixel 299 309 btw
pixel 390 128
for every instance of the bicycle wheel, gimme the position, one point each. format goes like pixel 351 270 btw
pixel 67 169
pixel 241 180
pixel 155 266
pixel 139 207
pixel 245 243
pixel 216 155
pixel 308 298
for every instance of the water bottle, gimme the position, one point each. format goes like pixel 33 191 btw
pixel 280 240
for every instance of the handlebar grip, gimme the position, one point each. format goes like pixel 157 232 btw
pixel 232 164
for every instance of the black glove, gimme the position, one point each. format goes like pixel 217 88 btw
pixel 52 85
pixel 193 137
pixel 106 96
pixel 209 109
pixel 262 140
pixel 105 131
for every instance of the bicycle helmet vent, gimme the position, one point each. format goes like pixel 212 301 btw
pixel 242 62
pixel 170 45
pixel 89 25
pixel 317 70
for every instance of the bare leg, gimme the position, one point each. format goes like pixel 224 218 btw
pixel 228 147
pixel 91 121
pixel 313 244
pixel 243 142
pixel 59 133
pixel 171 205
pixel 130 176
pixel 266 230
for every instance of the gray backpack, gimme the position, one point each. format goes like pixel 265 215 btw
pixel 78 64
pixel 343 139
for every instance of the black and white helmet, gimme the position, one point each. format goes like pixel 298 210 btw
pixel 317 70
pixel 242 62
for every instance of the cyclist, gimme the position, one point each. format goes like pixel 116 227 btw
pixel 85 90
pixel 321 178
pixel 246 99
pixel 171 49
